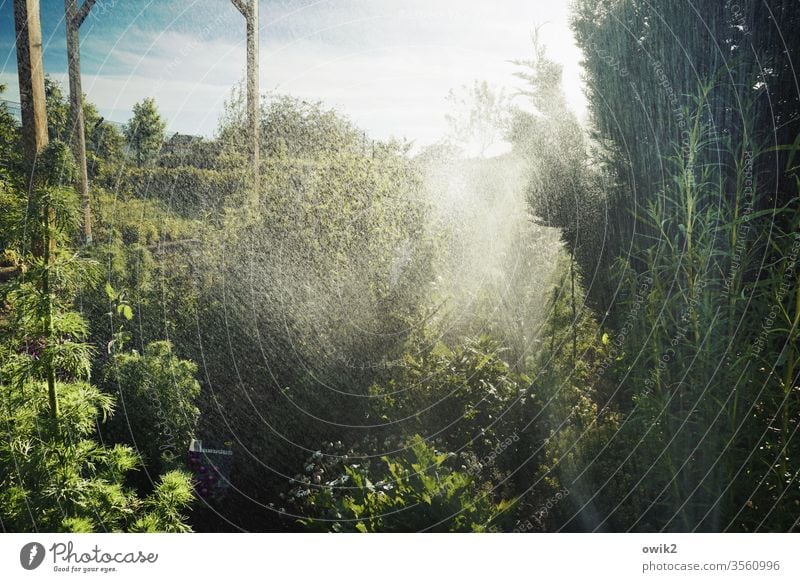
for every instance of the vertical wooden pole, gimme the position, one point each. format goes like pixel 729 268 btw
pixel 253 92
pixel 249 9
pixel 74 19
pixel 34 137
pixel 31 78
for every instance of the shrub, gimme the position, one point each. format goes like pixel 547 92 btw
pixel 186 190
pixel 157 393
pixel 415 490
pixel 57 477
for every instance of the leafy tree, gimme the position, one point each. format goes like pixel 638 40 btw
pixel 340 224
pixel 695 120
pixel 478 117
pixel 144 133
pixel 103 140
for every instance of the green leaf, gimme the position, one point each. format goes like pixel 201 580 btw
pixel 125 311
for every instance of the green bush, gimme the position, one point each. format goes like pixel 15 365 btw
pixel 464 396
pixel 186 191
pixel 57 477
pixel 157 393
pixel 330 273
pixel 54 474
pixel 415 490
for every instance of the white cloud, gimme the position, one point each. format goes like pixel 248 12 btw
pixel 387 65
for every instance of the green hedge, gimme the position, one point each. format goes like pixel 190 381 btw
pixel 187 190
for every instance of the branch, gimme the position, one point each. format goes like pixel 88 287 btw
pixel 242 7
pixel 83 12
pixel 8 273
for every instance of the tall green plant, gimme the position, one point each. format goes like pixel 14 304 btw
pixel 54 475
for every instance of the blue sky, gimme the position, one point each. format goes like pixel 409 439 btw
pixel 386 64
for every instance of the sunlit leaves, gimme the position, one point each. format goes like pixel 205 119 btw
pixel 413 491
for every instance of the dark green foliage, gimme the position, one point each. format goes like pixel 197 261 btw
pixel 144 133
pixel 463 397
pixel 573 405
pixel 54 474
pixel 687 110
pixel 59 478
pixel 414 490
pixel 157 414
pixel 186 191
pixel 647 63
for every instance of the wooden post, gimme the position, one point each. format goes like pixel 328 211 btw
pixel 34 136
pixel 31 78
pixel 74 19
pixel 253 93
pixel 249 9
